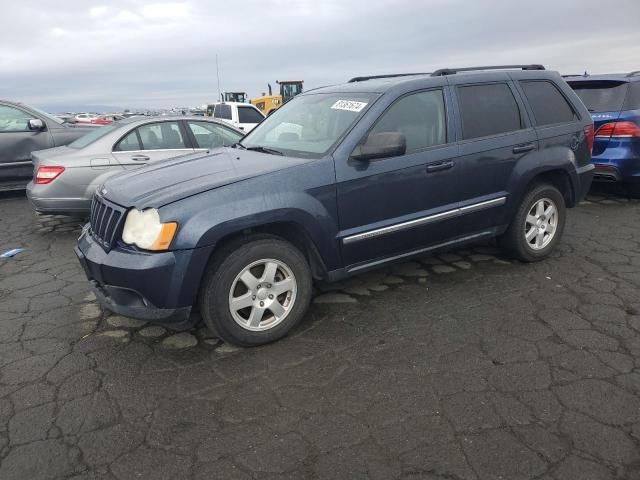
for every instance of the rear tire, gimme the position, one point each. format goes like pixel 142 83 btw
pixel 537 226
pixel 256 291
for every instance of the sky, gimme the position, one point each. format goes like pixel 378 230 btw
pixel 135 53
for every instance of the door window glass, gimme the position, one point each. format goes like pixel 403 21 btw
pixel 249 115
pixel 13 119
pixel 210 135
pixel 222 111
pixel 420 117
pixel 547 103
pixel 488 109
pixel 128 143
pixel 161 136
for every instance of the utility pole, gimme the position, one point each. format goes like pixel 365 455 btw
pixel 218 75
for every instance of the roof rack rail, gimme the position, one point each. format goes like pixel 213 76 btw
pixel 585 74
pixel 634 73
pixel 452 71
pixel 391 75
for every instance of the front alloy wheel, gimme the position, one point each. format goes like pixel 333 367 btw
pixel 262 295
pixel 255 290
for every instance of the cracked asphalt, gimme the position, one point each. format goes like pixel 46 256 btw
pixel 463 365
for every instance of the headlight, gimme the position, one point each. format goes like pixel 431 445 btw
pixel 144 229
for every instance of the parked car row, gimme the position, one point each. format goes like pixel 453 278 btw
pixel 65 178
pixel 338 181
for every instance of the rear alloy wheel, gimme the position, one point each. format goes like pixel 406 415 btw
pixel 541 224
pixel 537 225
pixel 255 292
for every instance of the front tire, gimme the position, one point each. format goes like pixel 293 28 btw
pixel 255 292
pixel 538 224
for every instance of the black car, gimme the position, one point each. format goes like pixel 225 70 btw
pixel 23 130
pixel 338 181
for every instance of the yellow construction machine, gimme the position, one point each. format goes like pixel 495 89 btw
pixel 269 103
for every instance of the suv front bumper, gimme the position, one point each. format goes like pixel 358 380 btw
pixel 160 287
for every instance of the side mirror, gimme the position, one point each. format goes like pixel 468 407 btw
pixel 381 145
pixel 36 124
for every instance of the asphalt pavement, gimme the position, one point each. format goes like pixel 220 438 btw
pixel 465 365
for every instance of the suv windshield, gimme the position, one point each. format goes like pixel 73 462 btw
pixel 601 96
pixel 309 125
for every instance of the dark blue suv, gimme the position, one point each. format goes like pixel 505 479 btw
pixel 614 103
pixel 338 181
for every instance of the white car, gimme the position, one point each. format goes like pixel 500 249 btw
pixel 85 117
pixel 243 116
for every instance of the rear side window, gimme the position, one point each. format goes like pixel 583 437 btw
pixel 222 111
pixel 488 110
pixel 249 115
pixel 128 143
pixel 547 103
pixel 420 117
pixel 601 95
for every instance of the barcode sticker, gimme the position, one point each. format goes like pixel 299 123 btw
pixel 349 105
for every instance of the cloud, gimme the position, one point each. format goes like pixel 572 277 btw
pixel 137 53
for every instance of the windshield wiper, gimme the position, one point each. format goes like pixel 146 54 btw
pixel 272 151
pixel 238 145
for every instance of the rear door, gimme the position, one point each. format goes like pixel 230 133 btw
pixel 248 117
pixel 152 142
pixel 17 142
pixel 495 135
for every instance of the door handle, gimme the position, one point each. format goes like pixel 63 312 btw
pixel 140 158
pixel 527 147
pixel 439 166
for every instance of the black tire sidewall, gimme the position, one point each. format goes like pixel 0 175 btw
pixel 516 240
pixel 215 295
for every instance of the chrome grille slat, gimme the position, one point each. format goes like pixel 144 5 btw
pixel 105 219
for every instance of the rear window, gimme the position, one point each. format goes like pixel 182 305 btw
pixel 223 112
pixel 94 135
pixel 547 103
pixel 601 96
pixel 488 110
pixel 633 97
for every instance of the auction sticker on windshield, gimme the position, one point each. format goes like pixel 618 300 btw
pixel 350 105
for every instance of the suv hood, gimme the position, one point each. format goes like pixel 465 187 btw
pixel 167 181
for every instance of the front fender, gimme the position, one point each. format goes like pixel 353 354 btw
pixel 306 199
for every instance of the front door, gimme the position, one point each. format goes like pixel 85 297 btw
pixel 17 142
pixel 395 206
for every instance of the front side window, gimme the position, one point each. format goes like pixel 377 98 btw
pixel 161 136
pixel 249 115
pixel 488 109
pixel 13 119
pixel 309 125
pixel 420 117
pixel 210 135
pixel 222 111
pixel 547 103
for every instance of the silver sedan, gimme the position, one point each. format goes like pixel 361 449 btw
pixel 65 178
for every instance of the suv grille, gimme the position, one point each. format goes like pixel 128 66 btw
pixel 105 219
